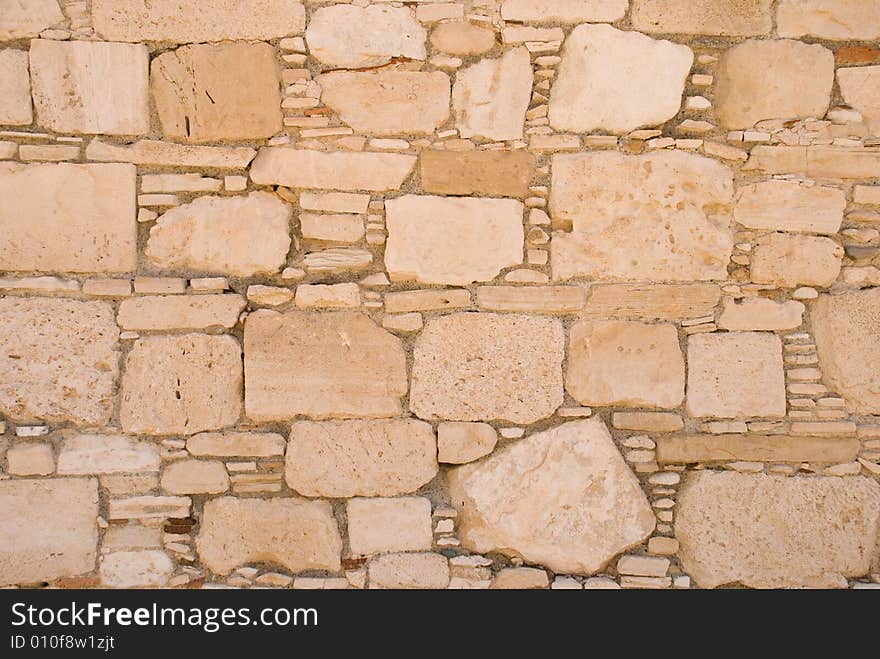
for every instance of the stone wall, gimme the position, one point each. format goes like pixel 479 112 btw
pixel 440 294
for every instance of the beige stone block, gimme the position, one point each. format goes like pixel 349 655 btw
pixel 166 154
pixel 186 312
pixel 458 240
pixel 388 102
pixel 60 360
pixel 347 36
pixel 847 332
pixel 843 162
pixel 520 578
pixel 90 87
pixel 106 454
pixel 210 92
pixel 860 87
pixel 379 525
pixel 334 202
pixel 462 38
pixel 617 81
pixel 790 206
pixel 243 235
pixel 723 517
pixel 490 97
pixel 136 569
pixel 735 374
pixel 529 500
pixel 331 364
pixel 652 301
pixel 195 477
pixel 340 296
pixel 772 79
pixel 531 299
pixel 788 260
pixel 181 384
pixel 236 444
pixel 20 20
pixel 340 459
pixel 737 18
pixel 647 421
pixel 340 228
pixel 409 571
pixel 459 442
pixel 53 532
pixel 687 449
pixel 150 507
pixel 485 366
pixel 183 21
pixel 15 88
pixel 563 11
pixel 178 183
pixel 68 217
pixel 489 173
pixel 829 19
pixel 30 459
pixel 427 300
pixel 655 217
pixel 642 566
pixel 293 533
pixel 759 313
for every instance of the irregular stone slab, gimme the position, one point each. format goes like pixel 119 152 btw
pixel 65 217
pixel 408 571
pixel 462 38
pixel 442 240
pixel 377 526
pixel 688 449
pixel 60 360
pixel 388 102
pixel 860 87
pixel 294 533
pixel 236 444
pixel 563 498
pixel 165 154
pixel 793 260
pixel 242 236
pixel 347 36
pixel 183 21
pixel 459 442
pixel 30 459
pixel 735 18
pixel 195 477
pixel 618 362
pixel 181 385
pixel 73 80
pixel 107 454
pixel 188 312
pixel 737 374
pixel 520 578
pixel 53 532
pixel 563 11
pixel 332 364
pixel 150 507
pixel 485 366
pixel 812 532
pixel 211 92
pixel 828 19
pixel 790 206
pixel 340 459
pixel 641 217
pixel 652 301
pixel 617 81
pixel 759 313
pixel 136 569
pixel 484 173
pixel 15 88
pixel 772 79
pixel 490 97
pixel 847 333
pixel 304 168
pixel 21 20
pixel 531 299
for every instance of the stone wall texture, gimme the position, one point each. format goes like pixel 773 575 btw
pixel 568 294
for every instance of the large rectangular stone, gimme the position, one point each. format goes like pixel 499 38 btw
pixel 68 217
pixel 431 299
pixel 652 301
pixel 490 173
pixel 531 299
pixel 684 449
pixel 167 154
pixel 817 161
pixel 790 206
pixel 712 17
pixel 188 312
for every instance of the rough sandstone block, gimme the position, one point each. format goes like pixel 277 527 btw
pixel 790 260
pixel 385 525
pixel 187 312
pixel 563 11
pixel 759 313
pixel 489 173
pixel 136 569
pixel 462 38
pixel 686 449
pixel 790 206
pixel 15 88
pixel 459 442
pixel 652 301
pixel 520 578
pixel 236 444
pixel 425 570
pixel 829 19
pixel 21 20
pixel 860 87
pixel 107 454
pixel 735 18
pixel 195 477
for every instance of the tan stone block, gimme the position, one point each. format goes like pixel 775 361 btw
pixel 563 11
pixel 60 360
pixel 736 374
pixel 490 173
pixel 860 87
pixel 409 571
pixel 531 299
pixel 181 384
pixel 150 507
pixel 106 454
pixel 54 531
pixel 339 296
pixel 332 364
pixel 210 92
pixel 790 206
pixel 485 366
pixel 663 546
pixel 166 154
pixel 243 235
pixel 379 525
pixel 236 444
pixel 20 20
pixel 788 260
pixel 178 183
pixel 30 459
pixel 459 442
pixel 349 458
pixel 186 312
pixel 687 449
pixel 195 477
pixel 136 569
pixel 829 19
pixel 520 578
pixel 759 313
pixel 15 88
pixel 427 300
pixel 294 533
pixel 73 80
pixel 625 363
pixel 526 516
pixel 847 332
pixel 772 79
pixel 462 38
pixel 842 162
pixel 738 18
pixel 642 566
pixel 340 228
pixel 334 202
pixel 652 301
pixel 68 217
pixel 634 81
pixel 723 517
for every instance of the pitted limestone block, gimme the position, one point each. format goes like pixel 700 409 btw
pixel 737 18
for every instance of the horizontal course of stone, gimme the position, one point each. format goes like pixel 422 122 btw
pixel 418 294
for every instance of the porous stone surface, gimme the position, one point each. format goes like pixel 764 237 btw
pixel 106 454
pixel 136 569
pixel 790 206
pixel 462 38
pixel 15 88
pixel 459 442
pixel 859 87
pixel 409 571
pixel 791 260
pixel 384 525
pixel 738 18
pixel 828 19
pixel 563 11
pixel 484 173
pixel 21 20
